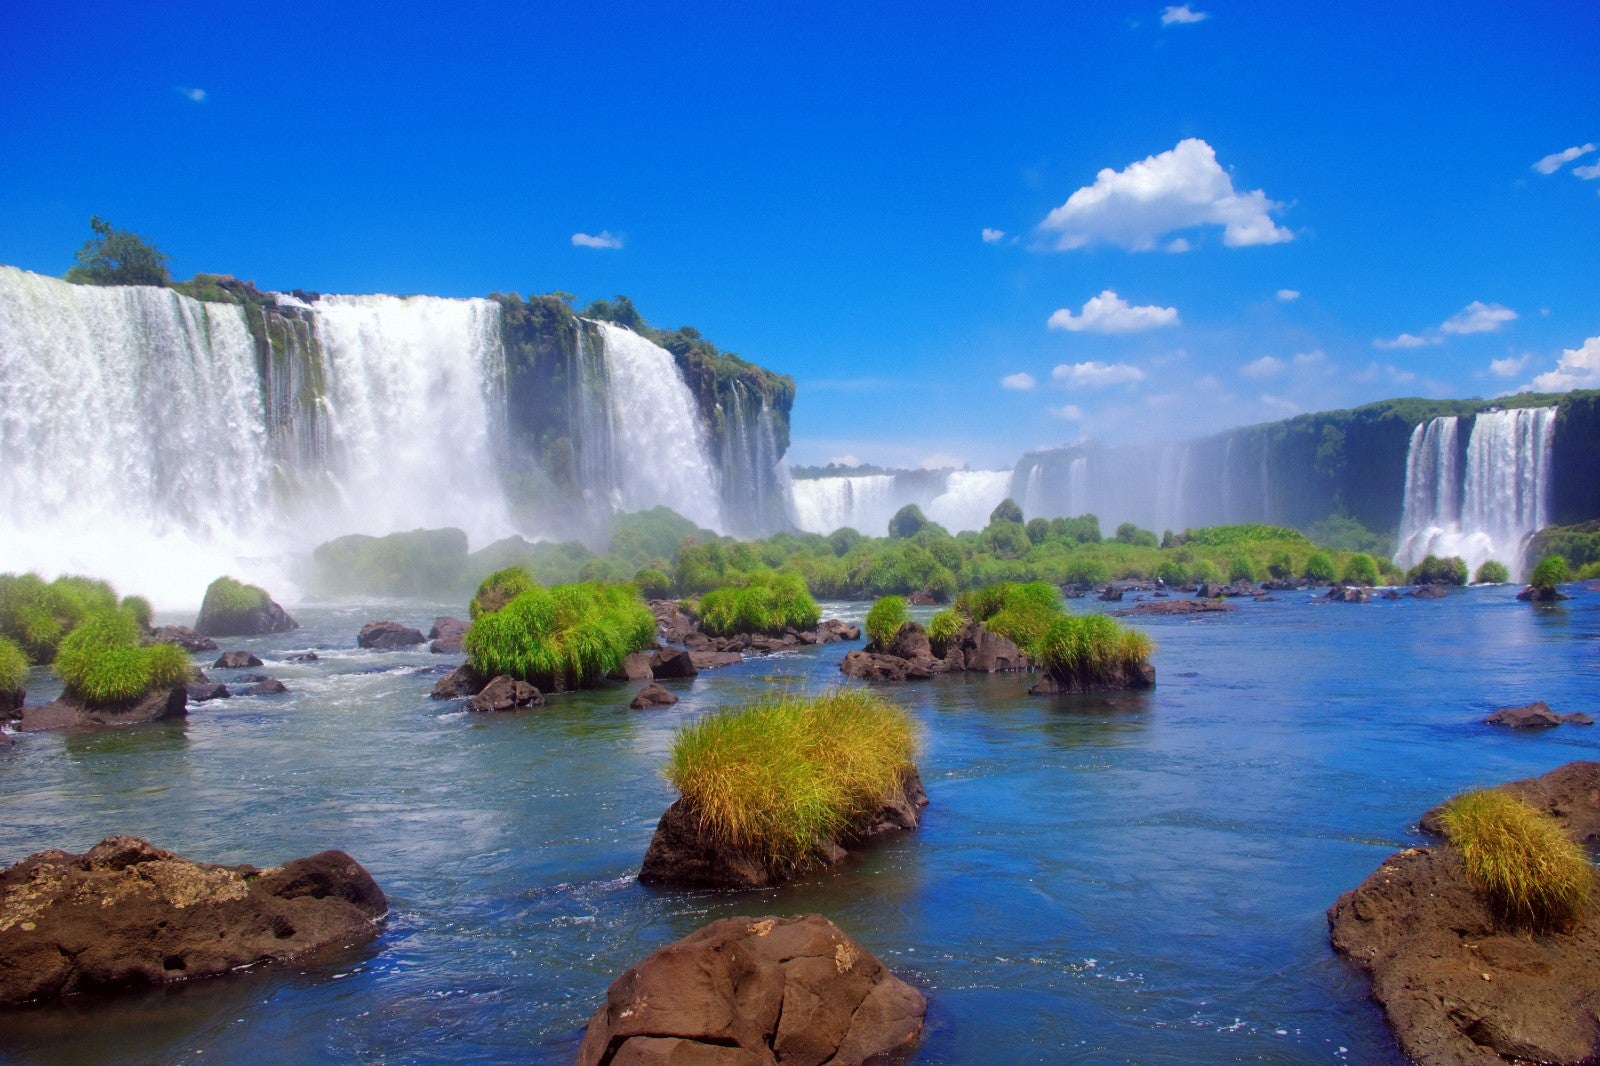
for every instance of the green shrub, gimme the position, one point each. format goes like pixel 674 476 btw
pixel 1281 565
pixel 561 638
pixel 1551 571
pixel 1362 569
pixel 499 589
pixel 1319 568
pixel 1173 573
pixel 907 522
pixel 769 602
pixel 1587 572
pixel 37 615
pixel 1492 573
pixel 1205 572
pixel 140 608
pixel 101 662
pixel 885 619
pixel 1525 866
pixel 1007 510
pixel 780 778
pixel 1128 533
pixel 653 584
pixel 1091 648
pixel 13 667
pixel 1436 571
pixel 1240 568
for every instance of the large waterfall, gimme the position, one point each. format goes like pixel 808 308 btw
pixel 1482 503
pixel 956 499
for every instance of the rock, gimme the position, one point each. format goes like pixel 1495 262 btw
pixel 462 681
pixel 389 636
pixel 1348 594
pixel 1536 715
pixel 652 695
pixel 910 642
pixel 68 713
pixel 673 622
pixel 1240 588
pixel 267 686
pixel 832 631
pixel 1429 592
pixel 870 667
pixel 303 657
pixel 711 660
pixel 1112 594
pixel 11 703
pixel 775 990
pixel 671 663
pixel 1136 677
pixel 984 652
pixel 635 667
pixel 505 694
pixel 236 660
pixel 127 914
pixel 183 637
pixel 446 635
pixel 1207 591
pixel 1570 794
pixel 1537 594
pixel 1390 594
pixel 923 598
pixel 205 691
pixel 265 617
pixel 1176 607
pixel 683 852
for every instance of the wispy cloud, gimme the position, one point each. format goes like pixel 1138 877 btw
pixel 1069 412
pixel 1182 15
pixel 1288 295
pixel 193 95
pixel 604 239
pixel 990 235
pixel 1261 369
pixel 1556 160
pixel 1020 382
pixel 1578 368
pixel 1095 375
pixel 1509 367
pixel 1588 173
pixel 1176 190
pixel 1110 313
pixel 1406 340
pixel 1280 405
pixel 1478 317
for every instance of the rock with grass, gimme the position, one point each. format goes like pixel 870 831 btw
pixel 652 695
pixel 783 788
pixel 234 609
pixel 780 991
pixel 559 639
pixel 127 914
pixel 13 679
pixel 1486 948
pixel 768 603
pixel 111 679
pixel 1092 653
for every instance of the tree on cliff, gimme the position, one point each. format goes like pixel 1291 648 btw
pixel 117 257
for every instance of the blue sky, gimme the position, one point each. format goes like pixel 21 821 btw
pixel 891 203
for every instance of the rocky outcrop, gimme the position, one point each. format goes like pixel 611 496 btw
pixel 182 636
pixel 670 663
pixel 634 667
pixel 712 660
pixel 236 660
pixel 674 622
pixel 831 631
pixel 1456 985
pixel 1348 594
pixel 263 618
pixel 446 635
pixel 867 666
pixel 505 694
pixel 127 914
pixel 652 695
pixel 1542 594
pixel 685 852
pixel 266 686
pixel 206 691
pixel 462 681
pixel 1137 676
pixel 389 636
pixel 69 713
pixel 977 650
pixel 1429 592
pixel 776 991
pixel 1536 715
pixel 1175 607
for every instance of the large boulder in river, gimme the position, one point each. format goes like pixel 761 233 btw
pixel 505 694
pixel 236 660
pixel 183 637
pixel 233 609
pixel 389 636
pixel 446 635
pixel 1458 985
pixel 128 914
pixel 462 681
pixel 71 713
pixel 652 695
pixel 1536 715
pixel 669 663
pixel 774 991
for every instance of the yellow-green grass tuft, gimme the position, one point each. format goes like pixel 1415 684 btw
pixel 885 619
pixel 943 628
pixel 36 614
pixel 1519 859
pixel 499 589
pixel 1019 612
pixel 564 637
pixel 101 661
pixel 13 666
pixel 769 602
pixel 1091 648
pixel 779 778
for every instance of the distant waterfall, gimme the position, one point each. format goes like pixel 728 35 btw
pixel 864 503
pixel 968 499
pixel 754 481
pixel 1488 509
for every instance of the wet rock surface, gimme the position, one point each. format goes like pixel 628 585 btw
pixel 1175 607
pixel 504 694
pixel 446 635
pixel 652 695
pixel 183 637
pixel 1536 715
pixel 68 713
pixel 389 636
pixel 236 660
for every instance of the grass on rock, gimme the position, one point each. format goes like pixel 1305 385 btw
pixel 779 778
pixel 1092 648
pixel 885 619
pixel 769 602
pixel 1524 865
pixel 13 666
pixel 565 637
pixel 499 589
pixel 101 661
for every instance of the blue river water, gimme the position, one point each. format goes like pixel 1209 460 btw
pixel 1134 878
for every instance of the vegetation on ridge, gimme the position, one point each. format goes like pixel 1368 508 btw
pixel 1520 860
pixel 884 620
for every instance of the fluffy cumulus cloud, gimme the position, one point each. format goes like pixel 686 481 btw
pixel 1288 295
pixel 1182 15
pixel 1261 369
pixel 1579 368
pixel 1556 160
pixel 603 239
pixel 1509 367
pixel 848 459
pixel 1018 382
pixel 1406 340
pixel 1588 173
pixel 1176 190
pixel 990 236
pixel 1110 313
pixel 1097 375
pixel 1478 317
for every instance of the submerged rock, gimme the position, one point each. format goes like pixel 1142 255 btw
pixel 1176 607
pixel 69 713
pixel 652 695
pixel 504 694
pixel 1541 594
pixel 128 914
pixel 1138 676
pixel 781 991
pixel 1429 592
pixel 183 637
pixel 1536 715
pixel 1348 594
pixel 236 660
pixel 389 636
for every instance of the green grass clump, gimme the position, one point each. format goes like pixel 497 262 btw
pixel 101 661
pixel 943 627
pixel 140 608
pixel 769 602
pixel 1091 648
pixel 652 583
pixel 779 778
pixel 1524 865
pixel 36 614
pixel 1319 567
pixel 13 666
pixel 1362 569
pixel 1551 571
pixel 885 619
pixel 561 638
pixel 1206 572
pixel 1492 573
pixel 499 589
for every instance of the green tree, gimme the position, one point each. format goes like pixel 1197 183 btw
pixel 1006 511
pixel 117 257
pixel 1362 569
pixel 1551 571
pixel 907 522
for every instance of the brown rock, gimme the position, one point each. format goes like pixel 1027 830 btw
pixel 652 695
pixel 127 914
pixel 1429 592
pixel 389 636
pixel 267 686
pixel 1538 594
pixel 183 637
pixel 505 694
pixel 1570 794
pixel 673 622
pixel 1175 607
pixel 446 635
pixel 205 691
pixel 831 631
pixel 1137 677
pixel 712 660
pixel 869 667
pixel 236 660
pixel 11 703
pixel 70 713
pixel 671 663
pixel 1350 594
pixel 1536 715
pixel 635 667
pixel 910 642
pixel 984 652
pixel 462 681
pixel 773 991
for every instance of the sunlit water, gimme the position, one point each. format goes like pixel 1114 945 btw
pixel 1141 878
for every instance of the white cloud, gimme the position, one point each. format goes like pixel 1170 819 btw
pixel 603 239
pixel 1579 368
pixel 992 235
pixel 1556 160
pixel 1478 317
pixel 1279 405
pixel 1588 173
pixel 1177 246
pixel 942 461
pixel 1175 190
pixel 1110 313
pixel 1288 295
pixel 1406 340
pixel 1182 15
pixel 194 95
pixel 1071 412
pixel 1260 369
pixel 1376 371
pixel 1307 360
pixel 1508 367
pixel 1096 375
pixel 1018 382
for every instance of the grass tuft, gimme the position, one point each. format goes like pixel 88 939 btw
pixel 1091 648
pixel 779 778
pixel 884 620
pixel 561 638
pixel 769 602
pixel 101 661
pixel 499 589
pixel 1520 860
pixel 13 666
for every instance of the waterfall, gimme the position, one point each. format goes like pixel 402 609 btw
pixel 662 454
pixel 754 503
pixel 969 497
pixel 864 503
pixel 1489 509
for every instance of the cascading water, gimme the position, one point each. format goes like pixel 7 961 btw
pixel 969 497
pixel 863 502
pixel 1489 509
